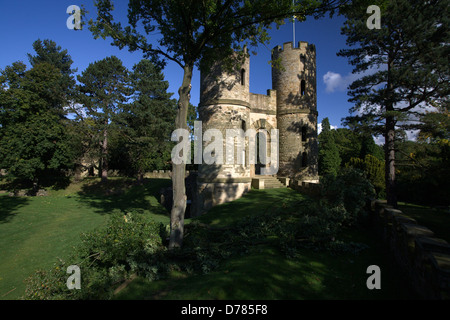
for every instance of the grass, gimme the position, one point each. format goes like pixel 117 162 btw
pixel 264 273
pixel 35 231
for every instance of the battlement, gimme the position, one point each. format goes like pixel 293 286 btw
pixel 262 103
pixel 287 46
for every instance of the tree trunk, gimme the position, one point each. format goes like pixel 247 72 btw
pixel 390 162
pixel 105 156
pixel 179 170
pixel 389 136
pixel 140 177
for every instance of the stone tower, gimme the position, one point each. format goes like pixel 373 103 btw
pixel 227 103
pixel 295 83
pixel 224 104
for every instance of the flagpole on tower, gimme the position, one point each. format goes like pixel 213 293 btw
pixel 293 28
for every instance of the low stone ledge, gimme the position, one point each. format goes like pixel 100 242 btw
pixel 424 258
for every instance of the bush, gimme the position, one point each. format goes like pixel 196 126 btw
pixel 133 244
pixel 129 244
pixel 347 194
pixel 374 169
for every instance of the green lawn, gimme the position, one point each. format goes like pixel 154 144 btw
pixel 265 273
pixel 35 231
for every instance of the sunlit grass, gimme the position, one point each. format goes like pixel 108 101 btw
pixel 35 231
pixel 266 273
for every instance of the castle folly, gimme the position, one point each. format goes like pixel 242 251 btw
pixel 291 107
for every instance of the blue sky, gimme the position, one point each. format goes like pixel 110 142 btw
pixel 23 22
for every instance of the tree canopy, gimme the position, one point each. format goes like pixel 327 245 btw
pixel 404 64
pixel 196 33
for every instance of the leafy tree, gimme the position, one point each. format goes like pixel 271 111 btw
pixel 34 141
pixel 148 121
pixel 103 91
pixel 369 147
pixel 348 143
pixel 435 125
pixel 406 65
pixel 423 171
pixel 195 33
pixel 374 169
pixel 48 51
pixel 329 160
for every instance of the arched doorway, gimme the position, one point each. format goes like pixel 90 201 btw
pixel 262 145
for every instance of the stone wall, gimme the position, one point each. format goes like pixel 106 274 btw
pixel 162 174
pixel 309 188
pixel 424 258
pixel 266 104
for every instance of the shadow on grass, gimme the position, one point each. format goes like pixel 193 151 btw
pixel 266 274
pixel 8 206
pixel 123 194
pixel 253 202
pixel 55 182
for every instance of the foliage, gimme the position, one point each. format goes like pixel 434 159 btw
pixel 423 172
pixel 147 122
pixel 329 160
pixel 129 244
pixel 368 147
pixel 374 169
pixel 103 90
pixel 404 64
pixel 196 33
pixel 48 51
pixel 348 142
pixel 350 190
pixel 34 140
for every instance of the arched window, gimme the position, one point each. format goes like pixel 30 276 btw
pixel 304 130
pixel 304 159
pixel 242 76
pixel 302 87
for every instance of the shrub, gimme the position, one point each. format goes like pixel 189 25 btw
pixel 129 244
pixel 346 195
pixel 374 169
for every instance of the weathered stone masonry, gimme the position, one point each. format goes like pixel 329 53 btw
pixel 291 106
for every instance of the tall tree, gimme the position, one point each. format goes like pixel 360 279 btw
pixel 103 91
pixel 195 33
pixel 329 159
pixel 368 146
pixel 48 51
pixel 33 140
pixel 147 121
pixel 348 143
pixel 406 65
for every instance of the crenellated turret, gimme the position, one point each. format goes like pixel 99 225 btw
pixel 295 82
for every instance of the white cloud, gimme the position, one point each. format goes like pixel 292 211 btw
pixel 336 82
pixel 319 127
